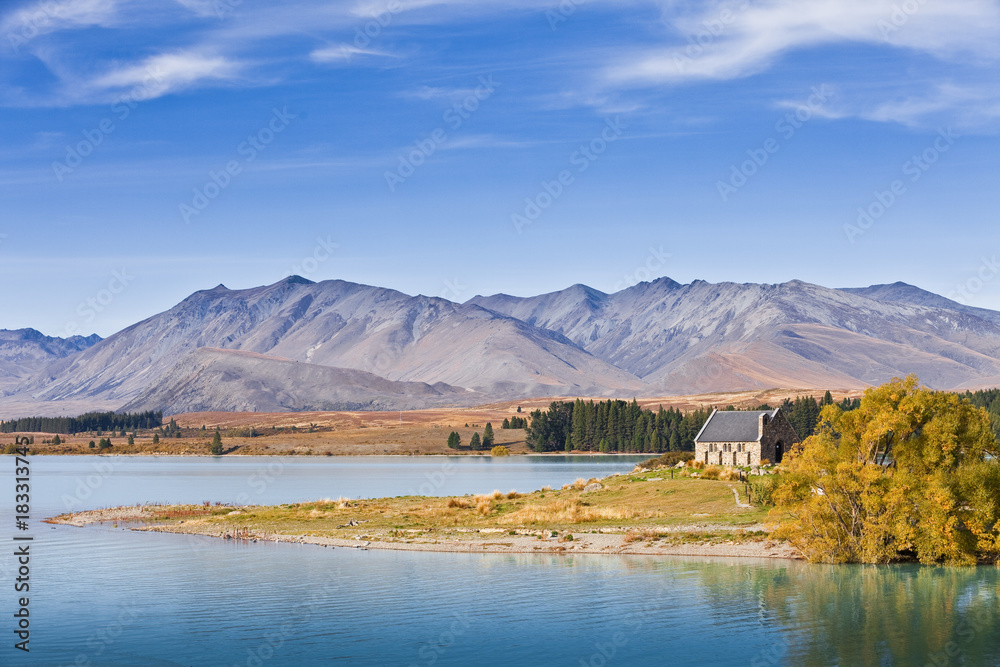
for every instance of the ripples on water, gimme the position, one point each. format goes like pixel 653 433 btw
pixel 116 597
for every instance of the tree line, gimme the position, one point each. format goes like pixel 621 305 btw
pixel 90 421
pixel 620 426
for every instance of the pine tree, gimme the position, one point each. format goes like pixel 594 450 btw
pixel 476 443
pixel 488 436
pixel 454 440
pixel 505 424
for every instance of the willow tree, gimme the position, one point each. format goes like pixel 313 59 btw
pixel 911 473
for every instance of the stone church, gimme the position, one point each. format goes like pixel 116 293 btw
pixel 744 438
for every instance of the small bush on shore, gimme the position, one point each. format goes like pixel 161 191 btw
pixel 667 460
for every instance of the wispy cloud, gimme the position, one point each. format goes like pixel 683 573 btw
pixel 737 39
pixel 344 53
pixel 48 16
pixel 168 72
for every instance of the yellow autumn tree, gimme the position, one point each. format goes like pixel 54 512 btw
pixel 912 473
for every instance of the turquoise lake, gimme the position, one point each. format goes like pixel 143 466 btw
pixel 108 596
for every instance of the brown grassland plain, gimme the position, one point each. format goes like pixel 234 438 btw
pixel 366 433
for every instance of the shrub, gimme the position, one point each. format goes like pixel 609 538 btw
pixel 497 494
pixel 668 460
pixel 458 503
pixel 762 489
pixel 500 450
pixel 91 444
pixel 513 495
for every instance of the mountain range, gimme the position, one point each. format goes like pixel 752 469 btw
pixel 335 345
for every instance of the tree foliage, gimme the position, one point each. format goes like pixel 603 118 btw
pixel 91 421
pixel 911 473
pixel 454 440
pixel 475 442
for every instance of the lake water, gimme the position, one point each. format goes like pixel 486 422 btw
pixel 106 596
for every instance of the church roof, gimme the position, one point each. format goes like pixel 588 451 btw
pixel 733 426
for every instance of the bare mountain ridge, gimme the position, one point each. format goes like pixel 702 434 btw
pixel 25 351
pixel 727 336
pixel 335 324
pixel 302 340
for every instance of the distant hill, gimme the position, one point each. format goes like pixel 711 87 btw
pixel 298 345
pixel 210 379
pixel 25 351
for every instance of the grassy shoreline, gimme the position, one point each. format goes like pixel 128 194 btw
pixel 636 513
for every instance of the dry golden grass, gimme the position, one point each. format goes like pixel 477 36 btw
pixel 624 503
pixel 567 511
pixel 484 506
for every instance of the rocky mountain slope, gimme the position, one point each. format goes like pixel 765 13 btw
pixel 25 351
pixel 336 324
pixel 300 345
pixel 711 337
pixel 210 379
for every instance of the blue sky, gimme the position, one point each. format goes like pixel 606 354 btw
pixel 451 148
